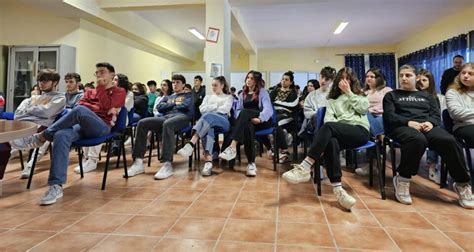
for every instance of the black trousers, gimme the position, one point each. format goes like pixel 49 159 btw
pixel 330 138
pixel 466 133
pixel 281 139
pixel 413 146
pixel 243 131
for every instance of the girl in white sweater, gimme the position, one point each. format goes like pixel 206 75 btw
pixel 460 103
pixel 215 110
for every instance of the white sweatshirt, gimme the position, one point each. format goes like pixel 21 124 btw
pixel 216 103
pixel 315 100
pixel 460 107
pixel 41 109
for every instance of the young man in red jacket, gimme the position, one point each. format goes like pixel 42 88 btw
pixel 93 117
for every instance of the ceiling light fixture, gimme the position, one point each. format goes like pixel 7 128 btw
pixel 341 27
pixel 196 33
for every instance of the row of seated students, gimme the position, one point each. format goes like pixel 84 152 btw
pixel 410 117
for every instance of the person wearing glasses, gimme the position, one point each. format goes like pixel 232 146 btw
pixel 95 115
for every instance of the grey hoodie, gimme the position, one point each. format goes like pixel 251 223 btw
pixel 73 99
pixel 41 109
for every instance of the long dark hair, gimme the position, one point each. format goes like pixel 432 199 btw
pixel 259 84
pixel 223 81
pixel 170 87
pixel 431 87
pixel 122 81
pixel 354 82
pixel 379 79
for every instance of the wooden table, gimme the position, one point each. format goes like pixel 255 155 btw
pixel 10 130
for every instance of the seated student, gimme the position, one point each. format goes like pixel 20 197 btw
pixel 140 101
pixel 411 118
pixel 166 89
pixel 188 88
pixel 177 112
pixel 253 112
pixel 285 100
pixel 199 92
pixel 345 126
pixel 73 93
pixel 152 95
pixel 460 103
pixel 93 117
pixel 91 154
pixel 318 98
pixel 375 90
pixel 425 82
pixel 88 86
pixel 41 109
pixel 215 110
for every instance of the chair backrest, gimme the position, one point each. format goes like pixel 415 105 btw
pixel 121 122
pixel 274 117
pixel 447 121
pixel 8 115
pixel 320 117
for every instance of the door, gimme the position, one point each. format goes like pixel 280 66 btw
pixel 22 75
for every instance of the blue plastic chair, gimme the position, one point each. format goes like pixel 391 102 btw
pixel 8 115
pixel 117 131
pixel 370 145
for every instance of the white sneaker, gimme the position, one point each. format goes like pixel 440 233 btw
pixel 297 175
pixel 364 171
pixel 27 143
pixel 228 154
pixel 136 168
pixel 207 169
pixel 52 195
pixel 251 170
pixel 91 165
pixel 402 190
pixel 165 171
pixel 465 195
pixel 25 173
pixel 270 154
pixel 434 173
pixel 128 142
pixel 77 169
pixel 344 199
pixel 186 151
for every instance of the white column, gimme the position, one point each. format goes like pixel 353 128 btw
pixel 218 15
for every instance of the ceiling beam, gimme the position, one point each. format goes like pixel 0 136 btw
pixel 134 5
pixel 239 30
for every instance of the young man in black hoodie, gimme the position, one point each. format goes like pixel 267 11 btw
pixel 449 74
pixel 199 91
pixel 412 119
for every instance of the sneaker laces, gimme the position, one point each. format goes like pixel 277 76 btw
pixel 403 188
pixel 298 169
pixel 465 192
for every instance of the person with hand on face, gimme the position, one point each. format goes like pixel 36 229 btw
pixel 176 113
pixel 93 117
pixel 253 112
pixel 215 110
pixel 412 119
pixel 449 74
pixel 345 126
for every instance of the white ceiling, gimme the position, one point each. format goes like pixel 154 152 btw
pixel 310 23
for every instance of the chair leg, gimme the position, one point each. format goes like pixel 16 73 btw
pixel 152 142
pixel 106 169
pixel 158 149
pixel 81 156
pixel 371 167
pixel 275 154
pixel 444 175
pixel 124 158
pixel 118 157
pixel 295 145
pixel 381 171
pixel 392 157
pixel 469 166
pixel 30 178
pixel 20 153
pixel 132 138
pixel 317 175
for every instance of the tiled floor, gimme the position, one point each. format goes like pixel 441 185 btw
pixel 225 212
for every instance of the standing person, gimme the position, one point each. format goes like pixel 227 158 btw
pixel 73 93
pixel 93 117
pixel 285 100
pixel 425 82
pixel 345 126
pixel 177 112
pixel 199 91
pixel 253 112
pixel 460 103
pixel 375 89
pixel 152 95
pixel 451 73
pixel 412 119
pixel 215 110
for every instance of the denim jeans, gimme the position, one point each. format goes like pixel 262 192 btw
pixel 376 124
pixel 205 128
pixel 79 123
